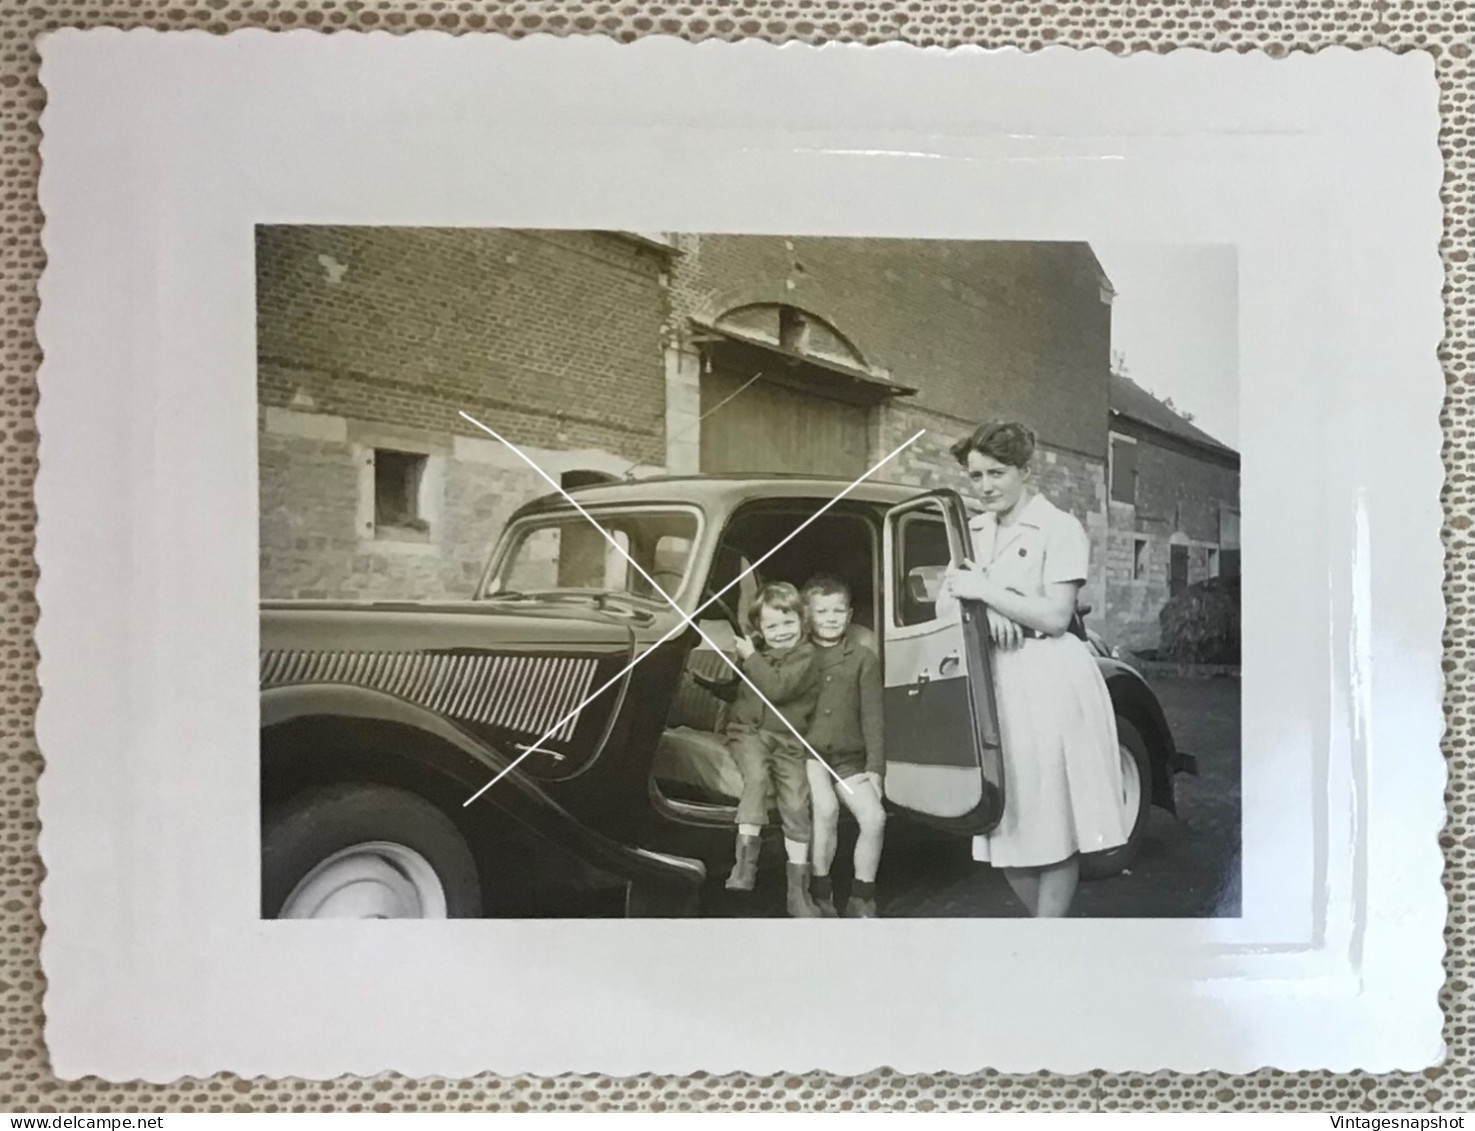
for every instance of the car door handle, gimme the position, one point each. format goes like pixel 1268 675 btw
pixel 526 747
pixel 922 677
pixel 949 664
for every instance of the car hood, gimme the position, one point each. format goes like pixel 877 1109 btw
pixel 441 626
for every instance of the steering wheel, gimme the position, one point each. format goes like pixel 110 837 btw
pixel 710 598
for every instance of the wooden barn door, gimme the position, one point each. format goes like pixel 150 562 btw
pixel 774 429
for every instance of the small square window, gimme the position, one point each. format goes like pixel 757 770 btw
pixel 397 480
pixel 1139 559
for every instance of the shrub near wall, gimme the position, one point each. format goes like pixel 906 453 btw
pixel 1201 624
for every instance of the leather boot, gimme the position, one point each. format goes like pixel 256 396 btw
pixel 823 896
pixel 745 868
pixel 801 904
pixel 857 907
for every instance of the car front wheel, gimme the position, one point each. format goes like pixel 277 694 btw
pixel 1135 801
pixel 364 851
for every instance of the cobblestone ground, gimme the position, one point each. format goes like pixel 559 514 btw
pixel 1188 866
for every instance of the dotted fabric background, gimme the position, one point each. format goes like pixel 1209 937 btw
pixel 1440 27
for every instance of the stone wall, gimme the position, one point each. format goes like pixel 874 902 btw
pixel 1180 496
pixel 315 497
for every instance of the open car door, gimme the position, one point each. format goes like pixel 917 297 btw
pixel 943 760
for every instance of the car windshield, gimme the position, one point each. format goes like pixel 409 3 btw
pixel 566 554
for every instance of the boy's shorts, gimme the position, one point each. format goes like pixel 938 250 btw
pixel 846 763
pixel 772 766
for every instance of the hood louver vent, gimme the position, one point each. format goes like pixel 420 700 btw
pixel 525 694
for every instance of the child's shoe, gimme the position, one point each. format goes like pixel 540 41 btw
pixel 824 897
pixel 862 901
pixel 801 906
pixel 745 868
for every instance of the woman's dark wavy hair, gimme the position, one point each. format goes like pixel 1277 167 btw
pixel 1004 440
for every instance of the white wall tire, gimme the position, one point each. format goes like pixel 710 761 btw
pixel 1132 785
pixel 375 879
pixel 1136 803
pixel 364 851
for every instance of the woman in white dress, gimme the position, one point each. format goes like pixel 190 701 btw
pixel 1062 773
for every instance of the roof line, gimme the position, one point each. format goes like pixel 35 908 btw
pixel 1131 401
pixel 1215 448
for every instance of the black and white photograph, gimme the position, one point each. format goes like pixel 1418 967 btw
pixel 613 573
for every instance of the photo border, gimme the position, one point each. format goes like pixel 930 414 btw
pixel 143 294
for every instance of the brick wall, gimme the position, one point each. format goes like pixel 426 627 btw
pixel 981 329
pixel 553 338
pixel 560 341
pixel 379 336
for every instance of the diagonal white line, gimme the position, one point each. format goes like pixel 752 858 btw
pixel 613 680
pixel 608 537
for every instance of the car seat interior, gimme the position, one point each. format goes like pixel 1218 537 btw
pixel 692 762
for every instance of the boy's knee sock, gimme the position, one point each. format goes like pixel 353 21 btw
pixel 820 885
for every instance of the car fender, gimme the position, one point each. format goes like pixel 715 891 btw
pixel 1133 697
pixel 355 719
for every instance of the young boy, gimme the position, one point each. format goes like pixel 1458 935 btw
pixel 848 732
pixel 767 751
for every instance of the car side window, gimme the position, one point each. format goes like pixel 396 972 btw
pixel 672 552
pixel 921 548
pixel 536 565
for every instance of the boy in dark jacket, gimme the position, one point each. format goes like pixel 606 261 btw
pixel 847 732
pixel 767 752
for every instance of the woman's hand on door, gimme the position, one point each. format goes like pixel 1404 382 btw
pixel 963 583
pixel 1005 634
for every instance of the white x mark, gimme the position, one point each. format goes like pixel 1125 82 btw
pixel 686 620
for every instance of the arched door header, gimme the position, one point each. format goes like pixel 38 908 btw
pixel 794 329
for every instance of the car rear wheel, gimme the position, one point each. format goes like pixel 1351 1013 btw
pixel 1136 803
pixel 363 851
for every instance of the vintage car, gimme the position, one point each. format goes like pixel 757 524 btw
pixel 379 720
